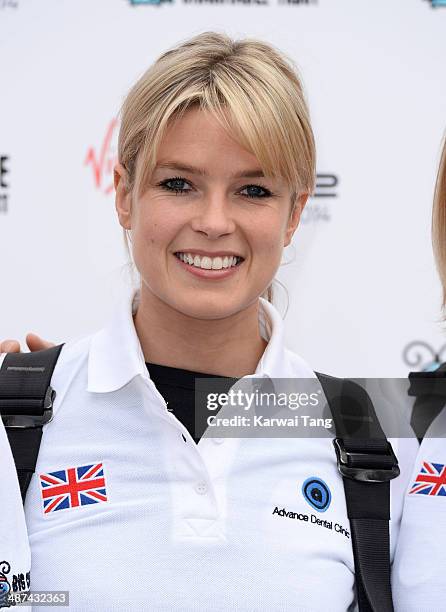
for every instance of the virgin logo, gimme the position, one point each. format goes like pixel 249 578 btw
pixel 102 161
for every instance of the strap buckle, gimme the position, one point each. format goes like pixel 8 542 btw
pixel 363 473
pixel 24 421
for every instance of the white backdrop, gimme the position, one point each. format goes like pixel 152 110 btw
pixel 362 282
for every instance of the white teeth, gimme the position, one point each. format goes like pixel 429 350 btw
pixel 208 263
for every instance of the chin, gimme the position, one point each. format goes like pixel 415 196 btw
pixel 216 308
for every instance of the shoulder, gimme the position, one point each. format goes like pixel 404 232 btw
pixel 74 352
pixel 431 460
pixel 73 356
pixel 72 362
pixel 418 571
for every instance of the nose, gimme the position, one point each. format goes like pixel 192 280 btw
pixel 213 216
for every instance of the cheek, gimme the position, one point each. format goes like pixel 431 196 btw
pixel 147 247
pixel 152 233
pixel 153 237
pixel 144 243
pixel 269 243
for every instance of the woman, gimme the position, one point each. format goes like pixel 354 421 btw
pixel 216 162
pixel 418 575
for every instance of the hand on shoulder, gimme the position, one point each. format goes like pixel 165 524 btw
pixel 33 341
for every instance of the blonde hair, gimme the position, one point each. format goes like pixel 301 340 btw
pixel 439 222
pixel 250 87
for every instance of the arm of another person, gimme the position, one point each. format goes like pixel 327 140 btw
pixel 15 556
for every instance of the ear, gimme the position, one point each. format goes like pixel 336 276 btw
pixel 294 217
pixel 123 197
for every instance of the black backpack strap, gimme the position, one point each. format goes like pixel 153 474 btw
pixel 26 404
pixel 429 389
pixel 367 463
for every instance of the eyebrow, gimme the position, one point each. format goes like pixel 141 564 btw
pixel 193 170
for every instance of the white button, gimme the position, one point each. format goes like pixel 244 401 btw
pixel 201 488
pixel 218 440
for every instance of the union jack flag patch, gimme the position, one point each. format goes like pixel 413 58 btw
pixel 431 480
pixel 73 487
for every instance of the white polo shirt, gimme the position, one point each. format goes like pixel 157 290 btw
pixel 15 556
pixel 154 521
pixel 418 579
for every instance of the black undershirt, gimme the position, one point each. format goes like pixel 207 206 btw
pixel 177 387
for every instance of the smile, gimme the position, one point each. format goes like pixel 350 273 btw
pixel 205 267
pixel 209 263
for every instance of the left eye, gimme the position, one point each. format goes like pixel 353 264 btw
pixel 253 194
pixel 177 187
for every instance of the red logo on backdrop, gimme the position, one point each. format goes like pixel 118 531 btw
pixel 102 160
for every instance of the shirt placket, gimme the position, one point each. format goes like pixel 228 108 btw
pixel 197 475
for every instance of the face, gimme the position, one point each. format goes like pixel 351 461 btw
pixel 206 207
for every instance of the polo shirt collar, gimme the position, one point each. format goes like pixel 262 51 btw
pixel 274 362
pixel 116 357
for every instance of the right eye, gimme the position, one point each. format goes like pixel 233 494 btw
pixel 176 182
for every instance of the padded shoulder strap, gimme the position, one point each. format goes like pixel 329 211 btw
pixel 367 463
pixel 26 404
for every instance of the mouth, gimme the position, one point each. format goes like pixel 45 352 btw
pixel 205 262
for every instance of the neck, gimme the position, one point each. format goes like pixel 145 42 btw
pixel 230 347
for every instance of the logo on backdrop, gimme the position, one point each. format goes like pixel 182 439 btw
pixel 147 2
pixel 5 4
pixel 298 2
pixel 253 2
pixel 102 160
pixel 4 182
pixel 158 2
pixel 318 208
pixel 421 356
pixel 437 3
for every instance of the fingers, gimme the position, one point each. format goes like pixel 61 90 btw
pixel 36 343
pixel 10 346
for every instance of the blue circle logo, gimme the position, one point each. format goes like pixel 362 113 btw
pixel 317 493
